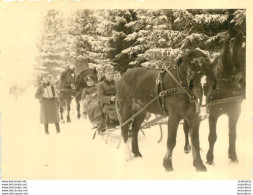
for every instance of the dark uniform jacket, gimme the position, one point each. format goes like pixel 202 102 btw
pixel 106 90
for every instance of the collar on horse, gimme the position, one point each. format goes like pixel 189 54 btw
pixel 162 93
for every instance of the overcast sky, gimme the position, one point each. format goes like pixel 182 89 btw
pixel 20 30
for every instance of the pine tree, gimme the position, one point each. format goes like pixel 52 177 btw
pixel 131 38
pixel 54 43
pixel 89 48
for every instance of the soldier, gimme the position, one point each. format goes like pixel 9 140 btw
pixel 100 74
pixel 117 76
pixel 107 94
pixel 89 96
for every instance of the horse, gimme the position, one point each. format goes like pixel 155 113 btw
pixel 80 85
pixel 230 92
pixel 177 92
pixel 66 91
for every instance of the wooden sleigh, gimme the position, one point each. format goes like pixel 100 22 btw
pixel 110 128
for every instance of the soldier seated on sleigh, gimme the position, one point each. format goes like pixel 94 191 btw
pixel 90 100
pixel 106 96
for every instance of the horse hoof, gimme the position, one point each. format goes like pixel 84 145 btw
pixel 167 164
pixel 68 121
pixel 187 149
pixel 136 155
pixel 210 162
pixel 169 169
pixel 233 161
pixel 201 168
pixel 233 158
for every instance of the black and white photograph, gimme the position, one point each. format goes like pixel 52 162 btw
pixel 126 93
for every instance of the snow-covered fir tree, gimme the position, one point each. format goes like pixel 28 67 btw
pixel 131 38
pixel 54 44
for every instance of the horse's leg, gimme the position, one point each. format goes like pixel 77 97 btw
pixel 212 137
pixel 68 108
pixel 233 119
pixel 78 107
pixel 125 114
pixel 135 129
pixel 194 132
pixel 187 147
pixel 61 111
pixel 171 142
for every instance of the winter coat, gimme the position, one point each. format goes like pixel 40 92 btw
pixel 48 107
pixel 93 109
pixel 106 90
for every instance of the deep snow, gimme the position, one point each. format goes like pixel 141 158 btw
pixel 28 153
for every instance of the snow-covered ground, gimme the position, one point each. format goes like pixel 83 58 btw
pixel 28 153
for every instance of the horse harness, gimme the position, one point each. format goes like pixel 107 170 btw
pixel 234 93
pixel 163 93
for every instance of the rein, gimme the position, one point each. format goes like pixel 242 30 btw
pixel 227 100
pixel 141 110
pixel 161 94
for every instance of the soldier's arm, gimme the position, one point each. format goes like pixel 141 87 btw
pixel 101 97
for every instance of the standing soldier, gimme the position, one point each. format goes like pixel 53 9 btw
pixel 48 105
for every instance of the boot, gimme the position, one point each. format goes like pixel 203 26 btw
pixel 46 128
pixel 57 127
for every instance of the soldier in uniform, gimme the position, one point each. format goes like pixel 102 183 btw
pixel 117 76
pixel 89 96
pixel 100 74
pixel 106 96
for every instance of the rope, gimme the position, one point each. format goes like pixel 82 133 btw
pixel 162 93
pixel 141 110
pixel 226 100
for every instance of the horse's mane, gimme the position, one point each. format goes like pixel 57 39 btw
pixel 190 56
pixel 231 57
pixel 65 73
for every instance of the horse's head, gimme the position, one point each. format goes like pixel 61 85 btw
pixel 68 79
pixel 238 58
pixel 200 76
pixel 232 62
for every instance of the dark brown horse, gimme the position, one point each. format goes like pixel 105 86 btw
pixel 80 85
pixel 230 92
pixel 185 91
pixel 67 90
